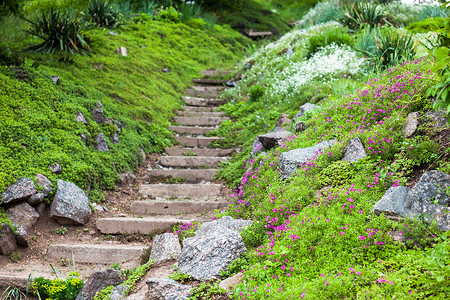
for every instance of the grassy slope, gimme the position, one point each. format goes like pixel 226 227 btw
pixel 37 123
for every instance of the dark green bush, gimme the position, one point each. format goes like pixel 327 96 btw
pixel 169 15
pixel 103 14
pixel 189 11
pixel 338 36
pixel 61 32
pixel 256 92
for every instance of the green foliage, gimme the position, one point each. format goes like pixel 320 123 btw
pixel 433 11
pixel 207 290
pixel 104 294
pixel 13 293
pixel 5 220
pixel 255 93
pixel 61 230
pixel 238 265
pixel 336 35
pixel 360 14
pixel 180 276
pixel 15 256
pixel 102 14
pixel 426 25
pixel 254 235
pixel 189 11
pixel 58 289
pixel 169 15
pixel 61 32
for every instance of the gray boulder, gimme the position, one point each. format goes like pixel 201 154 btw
pixel 273 139
pixel 437 119
pixel 36 199
pixel 8 242
pixel 70 205
pixel 23 214
pixel 165 247
pixel 21 236
pixel 118 292
pixel 55 168
pixel 167 289
pixel 20 190
pixel 81 118
pixel 205 256
pixel 354 151
pixel 412 122
pixel 45 183
pixel 393 203
pixel 98 115
pixel 102 145
pixel 304 108
pixel 97 282
pixel 289 161
pixel 224 224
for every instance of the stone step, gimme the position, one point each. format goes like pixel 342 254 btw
pixel 216 73
pixel 193 162
pixel 95 253
pixel 196 141
pixel 137 225
pixel 192 130
pixel 197 101
pixel 202 88
pixel 151 207
pixel 181 190
pixel 188 175
pixel 198 108
pixel 199 114
pixel 199 121
pixel 198 152
pixel 204 94
pixel 210 81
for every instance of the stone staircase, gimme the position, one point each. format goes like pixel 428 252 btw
pixel 158 206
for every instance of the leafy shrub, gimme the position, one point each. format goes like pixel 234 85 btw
pixel 254 235
pixel 360 14
pixel 335 35
pixel 210 19
pixel 58 289
pixel 255 93
pixel 433 11
pixel 189 11
pixel 426 25
pixel 180 276
pixel 207 290
pixel 61 32
pixel 169 15
pixel 324 11
pixel 149 7
pixel 196 23
pixel 103 14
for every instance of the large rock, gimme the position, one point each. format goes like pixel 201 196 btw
pixel 45 183
pixel 8 242
pixel 224 224
pixel 167 289
pixel 354 151
pixel 23 214
pixel 289 161
pixel 102 145
pixel 393 203
pixel 273 139
pixel 98 115
pixel 70 205
pixel 21 190
pixel 304 108
pixel 118 292
pixel 412 122
pixel 165 247
pixel 97 282
pixel 205 256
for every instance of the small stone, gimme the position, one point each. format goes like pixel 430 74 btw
pixel 98 115
pixel 283 120
pixel 274 139
pixel 20 190
pixel 36 199
pixel 438 119
pixel 412 122
pixel 304 108
pixel 144 157
pixel 165 247
pixel 113 33
pixel 81 118
pixel 118 292
pixel 122 51
pixel 21 236
pixel 127 178
pixel 102 145
pixel 115 139
pixel 45 183
pixel 167 289
pixel 299 127
pixel 256 147
pixel 354 151
pixel 83 137
pixel 165 70
pixel 55 79
pixel 40 209
pixel 232 282
pixel 55 168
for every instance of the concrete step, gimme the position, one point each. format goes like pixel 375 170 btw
pixel 216 73
pixel 210 81
pixel 200 121
pixel 198 152
pixel 193 162
pixel 188 175
pixel 137 225
pixel 151 207
pixel 197 101
pixel 199 114
pixel 198 108
pixel 196 141
pixel 181 190
pixel 192 130
pixel 95 253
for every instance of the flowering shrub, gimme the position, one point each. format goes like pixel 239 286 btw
pixel 58 289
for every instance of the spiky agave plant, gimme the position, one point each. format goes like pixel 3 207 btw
pixel 61 32
pixel 103 14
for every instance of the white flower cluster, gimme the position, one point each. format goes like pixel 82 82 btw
pixel 329 64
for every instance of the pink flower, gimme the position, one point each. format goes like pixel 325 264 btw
pixel 326 282
pixel 303 295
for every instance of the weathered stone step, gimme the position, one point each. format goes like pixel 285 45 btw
pixel 191 161
pixel 199 114
pixel 152 207
pixel 196 141
pixel 192 176
pixel 216 73
pixel 95 253
pixel 180 190
pixel 204 94
pixel 202 88
pixel 200 121
pixel 196 101
pixel 198 108
pixel 198 152
pixel 210 81
pixel 192 130
pixel 137 225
